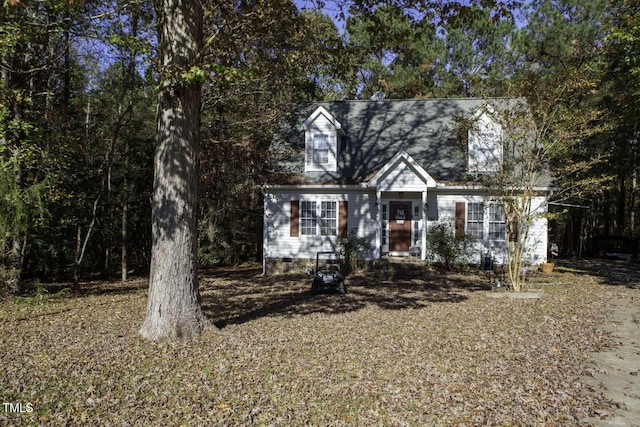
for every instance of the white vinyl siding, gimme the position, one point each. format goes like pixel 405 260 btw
pixel 368 217
pixel 536 243
pixel 321 145
pixel 401 178
pixel 280 243
pixel 485 152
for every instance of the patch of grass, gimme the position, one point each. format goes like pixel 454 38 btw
pixel 43 296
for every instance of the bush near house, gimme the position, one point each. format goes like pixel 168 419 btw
pixel 449 249
pixel 351 247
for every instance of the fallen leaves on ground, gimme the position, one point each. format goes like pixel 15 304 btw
pixel 398 349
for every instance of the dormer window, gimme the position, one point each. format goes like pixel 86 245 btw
pixel 485 145
pixel 321 149
pixel 322 132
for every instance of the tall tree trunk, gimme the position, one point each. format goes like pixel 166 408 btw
pixel 130 84
pixel 173 307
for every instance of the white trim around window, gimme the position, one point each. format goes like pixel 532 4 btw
pixel 486 221
pixel 319 218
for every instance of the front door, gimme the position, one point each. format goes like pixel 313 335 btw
pixel 399 226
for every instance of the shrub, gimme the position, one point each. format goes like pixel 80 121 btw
pixel 350 248
pixel 450 248
pixel 9 282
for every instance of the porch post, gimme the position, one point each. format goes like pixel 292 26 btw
pixel 423 248
pixel 378 224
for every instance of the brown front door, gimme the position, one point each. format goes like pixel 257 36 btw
pixel 399 226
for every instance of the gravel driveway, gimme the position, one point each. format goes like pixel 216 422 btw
pixel 617 370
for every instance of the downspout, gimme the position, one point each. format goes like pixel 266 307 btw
pixel 378 251
pixel 264 231
pixel 423 233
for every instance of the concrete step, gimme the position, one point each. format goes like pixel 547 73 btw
pixel 401 260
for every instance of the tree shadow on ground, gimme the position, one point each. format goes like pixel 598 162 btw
pixel 236 299
pixel 88 288
pixel 610 272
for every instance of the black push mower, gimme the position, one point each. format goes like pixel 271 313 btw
pixel 328 276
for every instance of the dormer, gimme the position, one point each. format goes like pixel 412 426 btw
pixel 321 136
pixel 485 148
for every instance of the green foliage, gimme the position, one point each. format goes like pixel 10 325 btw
pixel 260 56
pixel 620 100
pixel 351 248
pixel 479 58
pixel 20 209
pixel 322 54
pixel 72 132
pixel 18 205
pixel 396 52
pixel 575 111
pixel 449 248
pixel 9 278
pixel 40 295
pixel 623 40
pixel 59 114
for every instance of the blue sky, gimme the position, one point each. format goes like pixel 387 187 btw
pixel 330 8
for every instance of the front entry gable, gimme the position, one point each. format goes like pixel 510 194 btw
pixel 401 173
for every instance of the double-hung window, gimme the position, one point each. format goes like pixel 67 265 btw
pixel 314 222
pixel 321 149
pixel 308 222
pixel 328 219
pixel 475 220
pixel 497 223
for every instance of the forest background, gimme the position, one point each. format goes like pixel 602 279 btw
pixel 78 98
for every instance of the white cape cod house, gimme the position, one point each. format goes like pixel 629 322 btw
pixel 385 170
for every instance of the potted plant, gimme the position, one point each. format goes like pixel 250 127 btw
pixel 547 267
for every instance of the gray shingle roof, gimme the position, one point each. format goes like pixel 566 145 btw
pixel 374 131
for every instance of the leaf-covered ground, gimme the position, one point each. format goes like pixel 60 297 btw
pixel 399 349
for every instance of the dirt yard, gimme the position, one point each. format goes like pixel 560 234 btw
pixel 403 347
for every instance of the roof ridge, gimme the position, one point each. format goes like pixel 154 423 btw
pixel 390 100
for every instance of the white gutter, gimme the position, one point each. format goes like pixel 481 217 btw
pixel 483 188
pixel 315 187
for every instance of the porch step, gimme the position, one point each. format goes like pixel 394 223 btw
pixel 401 260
